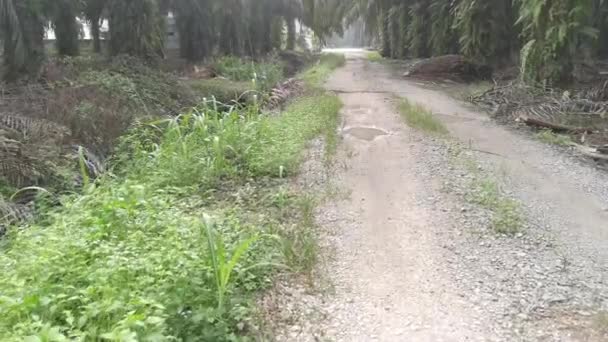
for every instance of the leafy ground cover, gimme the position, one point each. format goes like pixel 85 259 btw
pixel 173 243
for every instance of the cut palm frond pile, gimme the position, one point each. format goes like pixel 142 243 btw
pixel 581 114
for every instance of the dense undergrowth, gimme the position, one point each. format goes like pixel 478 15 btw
pixel 89 102
pixel 172 244
pixel 240 80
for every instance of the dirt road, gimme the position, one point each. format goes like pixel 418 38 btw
pixel 412 260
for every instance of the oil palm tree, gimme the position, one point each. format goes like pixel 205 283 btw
pixel 93 12
pixel 136 28
pixel 63 15
pixel 22 23
pixel 291 10
pixel 232 27
pixel 194 21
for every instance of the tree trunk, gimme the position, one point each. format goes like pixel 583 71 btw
pixel 194 38
pixel 229 43
pixel 95 33
pixel 136 28
pixel 66 30
pixel 385 50
pixel 27 60
pixel 276 33
pixel 291 33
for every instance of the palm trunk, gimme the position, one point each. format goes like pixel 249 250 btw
pixel 66 31
pixel 95 33
pixel 229 39
pixel 27 58
pixel 384 33
pixel 291 33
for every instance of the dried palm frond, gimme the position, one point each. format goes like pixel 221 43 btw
pixel 12 213
pixel 16 166
pixel 29 127
pixel 283 92
pixel 577 110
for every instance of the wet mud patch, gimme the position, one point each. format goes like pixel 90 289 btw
pixel 364 133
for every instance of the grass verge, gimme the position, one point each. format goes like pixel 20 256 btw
pixel 224 90
pixel 420 118
pixel 374 56
pixel 175 243
pixel 318 74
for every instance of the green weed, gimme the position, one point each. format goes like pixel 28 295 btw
pixel 549 137
pixel 299 242
pixel 507 217
pixel 279 149
pixel 374 56
pixel 223 265
pixel 264 74
pixel 418 117
pixel 131 259
pixel 318 74
pixel 224 90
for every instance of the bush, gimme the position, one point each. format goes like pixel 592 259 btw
pixel 161 92
pixel 88 102
pixel 136 257
pixel 224 90
pixel 265 74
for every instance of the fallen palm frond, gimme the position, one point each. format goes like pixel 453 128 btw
pixel 12 213
pixel 284 91
pixel 580 114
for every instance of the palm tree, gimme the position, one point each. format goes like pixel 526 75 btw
pixel 22 23
pixel 64 14
pixel 195 28
pixel 136 28
pixel 291 10
pixel 93 12
pixel 231 27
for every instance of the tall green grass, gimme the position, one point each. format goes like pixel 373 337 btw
pixel 317 75
pixel 166 247
pixel 374 56
pixel 265 74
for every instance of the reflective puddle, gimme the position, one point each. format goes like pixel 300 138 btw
pixel 365 133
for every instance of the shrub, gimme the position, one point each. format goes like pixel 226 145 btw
pixel 265 74
pixel 224 90
pixel 133 258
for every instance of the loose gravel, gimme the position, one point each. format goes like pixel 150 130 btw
pixel 548 282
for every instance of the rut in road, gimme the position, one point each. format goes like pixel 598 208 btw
pixel 406 260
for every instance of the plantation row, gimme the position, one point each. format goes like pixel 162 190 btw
pixel 547 38
pixel 193 219
pixel 139 28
